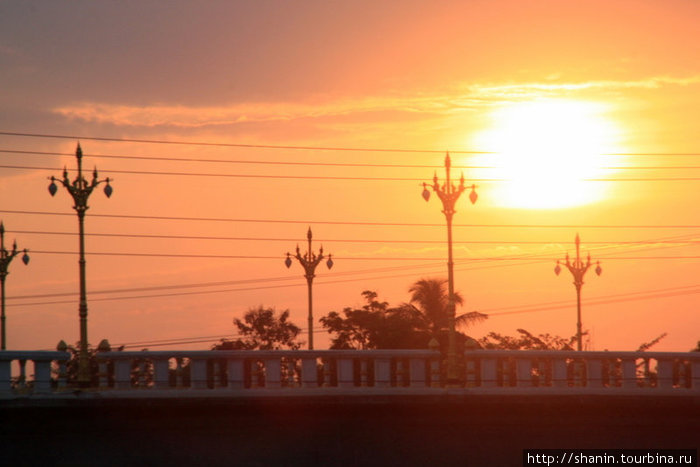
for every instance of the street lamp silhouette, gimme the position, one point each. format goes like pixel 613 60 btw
pixel 5 260
pixel 80 190
pixel 309 261
pixel 449 194
pixel 578 269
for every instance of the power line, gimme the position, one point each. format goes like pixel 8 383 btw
pixel 321 164
pixel 593 302
pixel 602 297
pixel 213 284
pixel 271 146
pixel 530 308
pixel 329 177
pixel 386 269
pixel 230 145
pixel 357 240
pixel 345 258
pixel 371 223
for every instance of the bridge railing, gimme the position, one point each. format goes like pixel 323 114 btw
pixel 27 373
pixel 30 372
pixel 581 371
pixel 244 370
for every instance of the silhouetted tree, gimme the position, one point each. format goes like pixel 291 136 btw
pixel 263 329
pixel 430 298
pixel 527 341
pixel 377 326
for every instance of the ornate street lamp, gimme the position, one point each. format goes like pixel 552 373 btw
pixel 5 260
pixel 449 194
pixel 578 269
pixel 80 190
pixel 309 261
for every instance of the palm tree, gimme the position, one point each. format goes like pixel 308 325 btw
pixel 430 297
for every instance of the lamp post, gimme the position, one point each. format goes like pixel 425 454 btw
pixel 578 269
pixel 309 261
pixel 5 260
pixel 80 190
pixel 449 194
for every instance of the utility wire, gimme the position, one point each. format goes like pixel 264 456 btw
pixel 530 308
pixel 311 164
pixel 598 298
pixel 392 224
pixel 357 240
pixel 344 258
pixel 597 303
pixel 230 145
pixel 271 146
pixel 535 261
pixel 329 177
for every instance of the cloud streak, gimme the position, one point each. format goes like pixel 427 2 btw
pixel 462 98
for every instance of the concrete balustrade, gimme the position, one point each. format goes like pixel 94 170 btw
pixel 40 382
pixel 581 372
pixel 195 373
pixel 270 370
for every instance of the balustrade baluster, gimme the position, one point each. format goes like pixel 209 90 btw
pixel 42 376
pixel 346 378
pixel 664 373
pixel 524 371
pixel 122 373
pixel 309 375
pixel 488 372
pixel 161 373
pixel 629 372
pixel 198 368
pixel 236 373
pixel 417 373
pixel 594 373
pixel 273 373
pixel 382 372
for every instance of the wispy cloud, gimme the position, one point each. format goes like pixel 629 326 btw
pixel 9 51
pixel 462 98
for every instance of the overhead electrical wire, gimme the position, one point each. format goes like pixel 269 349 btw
pixel 529 308
pixel 524 256
pixel 310 164
pixel 330 177
pixel 345 258
pixel 295 147
pixel 336 240
pixel 596 302
pixel 372 223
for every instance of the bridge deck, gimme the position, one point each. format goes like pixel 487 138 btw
pixel 445 429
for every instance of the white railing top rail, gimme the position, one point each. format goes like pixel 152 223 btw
pixel 598 354
pixel 33 355
pixel 262 354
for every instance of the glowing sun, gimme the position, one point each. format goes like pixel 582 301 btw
pixel 546 152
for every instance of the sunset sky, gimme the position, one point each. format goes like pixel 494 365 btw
pixel 569 117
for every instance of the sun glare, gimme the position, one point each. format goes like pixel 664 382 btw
pixel 547 151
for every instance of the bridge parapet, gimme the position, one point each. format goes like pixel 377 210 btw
pixel 273 369
pixel 24 362
pixel 239 373
pixel 583 372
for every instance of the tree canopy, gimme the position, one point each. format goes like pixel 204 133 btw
pixel 376 326
pixel 412 325
pixel 263 329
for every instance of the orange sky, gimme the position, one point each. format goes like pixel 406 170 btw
pixel 399 75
